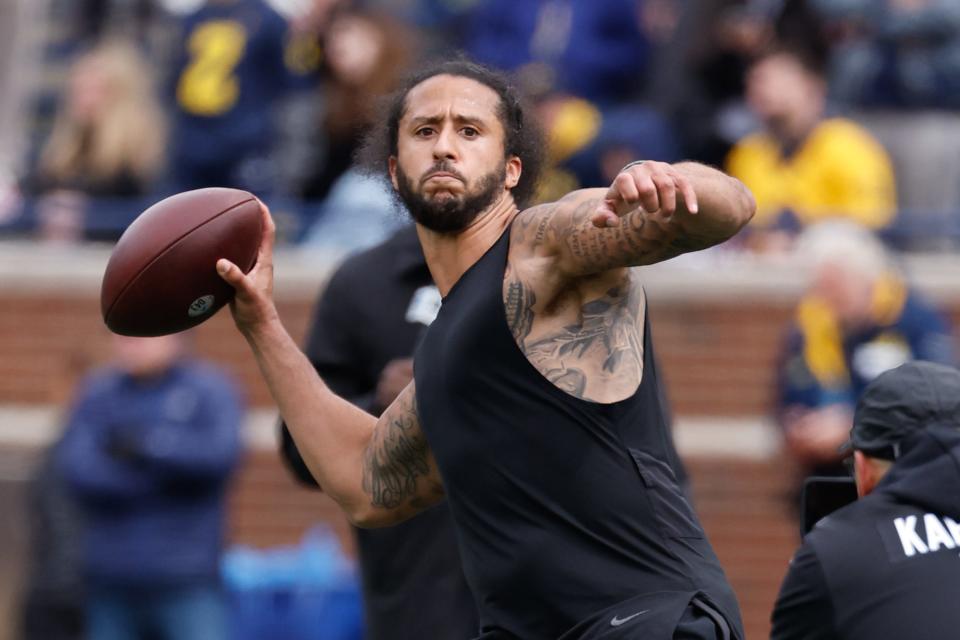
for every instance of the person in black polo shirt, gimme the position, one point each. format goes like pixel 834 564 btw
pixel 364 330
pixel 888 565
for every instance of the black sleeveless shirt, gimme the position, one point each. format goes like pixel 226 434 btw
pixel 563 506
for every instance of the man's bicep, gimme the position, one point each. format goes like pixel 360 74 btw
pixel 803 610
pixel 400 475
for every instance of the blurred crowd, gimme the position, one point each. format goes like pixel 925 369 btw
pixel 810 102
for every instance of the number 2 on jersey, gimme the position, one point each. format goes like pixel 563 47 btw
pixel 208 86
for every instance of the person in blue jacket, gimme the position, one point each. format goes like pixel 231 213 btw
pixel 595 50
pixel 859 318
pixel 149 445
pixel 236 61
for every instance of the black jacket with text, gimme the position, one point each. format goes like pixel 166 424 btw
pixel 888 565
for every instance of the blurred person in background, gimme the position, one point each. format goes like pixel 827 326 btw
pixel 886 565
pixel 366 326
pixel 231 72
pixel 589 145
pixel 805 167
pixel 858 319
pixel 895 53
pixel 702 82
pixel 698 74
pixel 365 55
pixel 93 18
pixel 584 65
pixel 592 50
pixel 149 446
pixel 108 140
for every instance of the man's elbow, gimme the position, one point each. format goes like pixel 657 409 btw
pixel 369 517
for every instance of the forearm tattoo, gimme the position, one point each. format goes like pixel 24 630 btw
pixel 641 238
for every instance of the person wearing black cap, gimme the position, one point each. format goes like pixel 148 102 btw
pixel 888 565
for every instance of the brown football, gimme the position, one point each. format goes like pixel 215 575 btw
pixel 162 278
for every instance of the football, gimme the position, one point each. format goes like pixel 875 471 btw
pixel 162 278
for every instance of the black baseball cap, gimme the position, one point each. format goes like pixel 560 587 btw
pixel 901 401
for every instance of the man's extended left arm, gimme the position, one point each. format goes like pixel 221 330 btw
pixel 653 211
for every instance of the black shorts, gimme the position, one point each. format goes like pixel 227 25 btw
pixel 662 615
pixel 701 622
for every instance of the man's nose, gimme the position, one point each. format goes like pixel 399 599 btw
pixel 445 147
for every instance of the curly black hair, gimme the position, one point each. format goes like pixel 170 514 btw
pixel 522 135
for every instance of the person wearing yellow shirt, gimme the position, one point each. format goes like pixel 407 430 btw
pixel 804 167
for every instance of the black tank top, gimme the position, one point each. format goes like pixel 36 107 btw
pixel 563 507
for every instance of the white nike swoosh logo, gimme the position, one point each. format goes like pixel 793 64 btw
pixel 617 621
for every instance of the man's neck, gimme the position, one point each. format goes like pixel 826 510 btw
pixel 449 256
pixel 793 132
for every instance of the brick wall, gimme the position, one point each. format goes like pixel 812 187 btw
pixel 716 358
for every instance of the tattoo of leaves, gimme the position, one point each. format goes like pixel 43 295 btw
pixel 573 381
pixel 518 301
pixel 606 340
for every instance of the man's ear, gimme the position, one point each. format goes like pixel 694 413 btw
pixel 867 472
pixel 392 168
pixel 513 171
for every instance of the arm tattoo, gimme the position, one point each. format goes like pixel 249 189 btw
pixel 641 238
pixel 582 332
pixel 397 457
pixel 541 234
pixel 602 345
pixel 518 300
pixel 604 249
pixel 607 328
pixel 573 381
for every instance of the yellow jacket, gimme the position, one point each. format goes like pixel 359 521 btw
pixel 840 170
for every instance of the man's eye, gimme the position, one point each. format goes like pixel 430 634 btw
pixel 424 131
pixel 470 132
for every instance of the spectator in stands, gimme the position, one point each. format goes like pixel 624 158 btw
pixel 593 50
pixel 93 18
pixel 230 74
pixel 804 167
pixel 896 53
pixel 148 448
pixel 858 319
pixel 107 141
pixel 365 56
pixel 699 77
pixel 588 145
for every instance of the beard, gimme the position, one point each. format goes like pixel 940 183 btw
pixel 449 213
